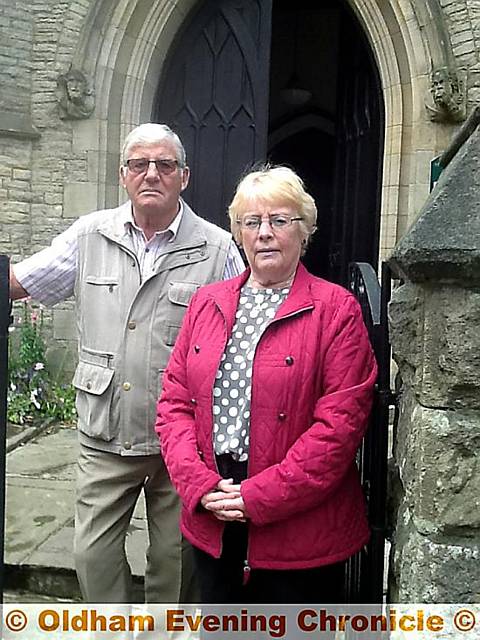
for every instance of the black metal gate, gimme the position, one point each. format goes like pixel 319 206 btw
pixel 4 323
pixel 366 570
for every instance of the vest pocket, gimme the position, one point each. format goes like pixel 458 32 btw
pixel 179 295
pixel 94 399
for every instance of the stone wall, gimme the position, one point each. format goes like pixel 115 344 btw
pixel 53 170
pixel 435 320
pixel 38 160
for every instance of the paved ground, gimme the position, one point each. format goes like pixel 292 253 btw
pixel 40 496
pixel 40 515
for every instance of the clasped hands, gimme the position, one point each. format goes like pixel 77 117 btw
pixel 225 502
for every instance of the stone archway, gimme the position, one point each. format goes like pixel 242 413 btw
pixel 126 57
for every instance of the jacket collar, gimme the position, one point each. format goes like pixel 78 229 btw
pixel 300 297
pixel 190 232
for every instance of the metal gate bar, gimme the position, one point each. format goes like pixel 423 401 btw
pixel 365 571
pixel 4 323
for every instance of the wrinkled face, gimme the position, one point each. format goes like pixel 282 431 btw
pixel 272 253
pixel 75 89
pixel 152 192
pixel 441 87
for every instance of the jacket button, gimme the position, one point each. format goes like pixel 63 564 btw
pixel 282 416
pixel 127 445
pixel 289 361
pixel 193 401
pixel 132 325
pixel 126 386
pixel 196 348
pixel 89 385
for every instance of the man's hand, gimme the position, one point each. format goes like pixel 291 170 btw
pixel 225 502
pixel 16 290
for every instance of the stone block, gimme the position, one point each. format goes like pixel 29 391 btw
pixel 442 244
pixel 64 324
pixel 86 135
pixel 451 350
pixel 22 174
pixel 62 360
pixel 13 217
pixel 405 316
pixel 425 571
pixel 20 195
pixel 79 198
pixel 53 198
pixel 438 461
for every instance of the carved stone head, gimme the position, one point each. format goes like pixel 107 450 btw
pixel 75 99
pixel 447 95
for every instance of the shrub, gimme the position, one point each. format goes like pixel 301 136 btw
pixel 33 394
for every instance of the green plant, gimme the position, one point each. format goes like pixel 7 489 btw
pixel 33 394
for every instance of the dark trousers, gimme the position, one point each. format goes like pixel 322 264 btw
pixel 221 580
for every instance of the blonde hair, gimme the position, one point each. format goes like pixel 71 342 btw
pixel 274 186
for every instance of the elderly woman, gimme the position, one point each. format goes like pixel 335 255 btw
pixel 265 401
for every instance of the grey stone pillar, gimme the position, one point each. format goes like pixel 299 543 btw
pixel 435 332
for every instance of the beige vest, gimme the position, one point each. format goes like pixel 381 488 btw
pixel 127 327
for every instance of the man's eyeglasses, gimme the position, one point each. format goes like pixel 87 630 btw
pixel 165 166
pixel 276 221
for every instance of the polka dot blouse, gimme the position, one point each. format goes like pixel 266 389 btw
pixel 232 389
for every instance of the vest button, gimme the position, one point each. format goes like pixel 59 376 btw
pixel 126 386
pixel 196 348
pixel 282 416
pixel 132 325
pixel 289 361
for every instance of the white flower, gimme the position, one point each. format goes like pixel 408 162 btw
pixel 13 387
pixel 33 398
pixel 39 366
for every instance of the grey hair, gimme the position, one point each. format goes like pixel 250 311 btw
pixel 153 133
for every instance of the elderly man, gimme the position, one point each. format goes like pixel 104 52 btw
pixel 133 270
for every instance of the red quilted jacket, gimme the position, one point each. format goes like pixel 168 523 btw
pixel 312 384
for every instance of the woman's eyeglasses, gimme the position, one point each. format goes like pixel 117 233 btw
pixel 276 221
pixel 164 166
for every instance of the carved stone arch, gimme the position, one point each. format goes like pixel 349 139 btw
pixel 406 38
pixel 123 45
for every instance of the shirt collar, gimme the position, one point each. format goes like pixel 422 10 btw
pixel 129 222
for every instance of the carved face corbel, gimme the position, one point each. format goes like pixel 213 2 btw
pixel 447 96
pixel 75 97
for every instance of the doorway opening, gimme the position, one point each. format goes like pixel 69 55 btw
pixel 326 121
pixel 292 83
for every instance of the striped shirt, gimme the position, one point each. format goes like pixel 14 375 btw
pixel 49 275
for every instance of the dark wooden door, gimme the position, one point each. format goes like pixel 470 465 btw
pixel 214 93
pixel 358 157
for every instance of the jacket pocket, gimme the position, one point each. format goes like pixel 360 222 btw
pixel 105 281
pixel 179 296
pixel 94 399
